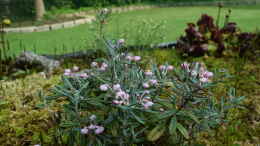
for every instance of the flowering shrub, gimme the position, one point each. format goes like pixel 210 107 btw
pixel 120 103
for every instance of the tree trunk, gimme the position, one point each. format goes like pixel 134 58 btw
pixel 40 9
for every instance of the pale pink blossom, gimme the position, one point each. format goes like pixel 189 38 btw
pixel 84 130
pixel 170 68
pixel 67 74
pixel 153 82
pixel 122 95
pixel 75 68
pixel 162 67
pixel 102 68
pixel 207 74
pixel 146 85
pixel 185 66
pixel 204 80
pixel 83 75
pixel 104 65
pixel 99 129
pixel 104 87
pixel 117 87
pixel 137 58
pixel 67 71
pixel 130 58
pixel 91 127
pixel 148 73
pixel 116 101
pixel 148 104
pixel 94 64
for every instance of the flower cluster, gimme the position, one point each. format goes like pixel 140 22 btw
pixel 92 129
pixel 201 72
pixel 133 58
pixel 74 73
pixel 166 67
pixel 101 67
pixel 151 82
pixel 121 97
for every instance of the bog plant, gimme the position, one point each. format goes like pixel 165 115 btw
pixel 121 101
pixel 117 102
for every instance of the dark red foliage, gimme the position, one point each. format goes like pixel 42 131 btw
pixel 231 27
pixel 206 23
pixel 197 38
pixel 245 41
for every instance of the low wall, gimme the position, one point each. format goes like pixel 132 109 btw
pixel 50 27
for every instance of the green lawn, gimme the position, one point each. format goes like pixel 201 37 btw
pixel 247 17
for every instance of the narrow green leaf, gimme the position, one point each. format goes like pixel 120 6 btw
pixel 173 125
pixel 193 117
pixel 166 114
pixel 137 118
pixel 156 133
pixel 183 131
pixel 68 124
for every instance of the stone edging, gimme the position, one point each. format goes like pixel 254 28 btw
pixel 50 27
pixel 69 24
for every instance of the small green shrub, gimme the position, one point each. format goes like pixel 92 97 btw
pixel 119 103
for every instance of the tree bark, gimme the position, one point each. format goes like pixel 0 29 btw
pixel 40 9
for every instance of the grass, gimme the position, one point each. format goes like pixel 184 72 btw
pixel 80 37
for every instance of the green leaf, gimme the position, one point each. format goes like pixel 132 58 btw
pixel 166 114
pixel 69 124
pixel 137 118
pixel 183 131
pixel 156 133
pixel 193 117
pixel 173 125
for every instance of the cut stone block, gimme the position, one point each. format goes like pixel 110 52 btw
pixel 56 26
pixel 27 29
pixel 42 28
pixel 80 21
pixel 68 24
pixel 8 30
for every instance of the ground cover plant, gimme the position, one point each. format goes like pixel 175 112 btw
pixel 174 19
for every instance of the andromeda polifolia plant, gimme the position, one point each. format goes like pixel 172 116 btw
pixel 117 102
pixel 120 101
